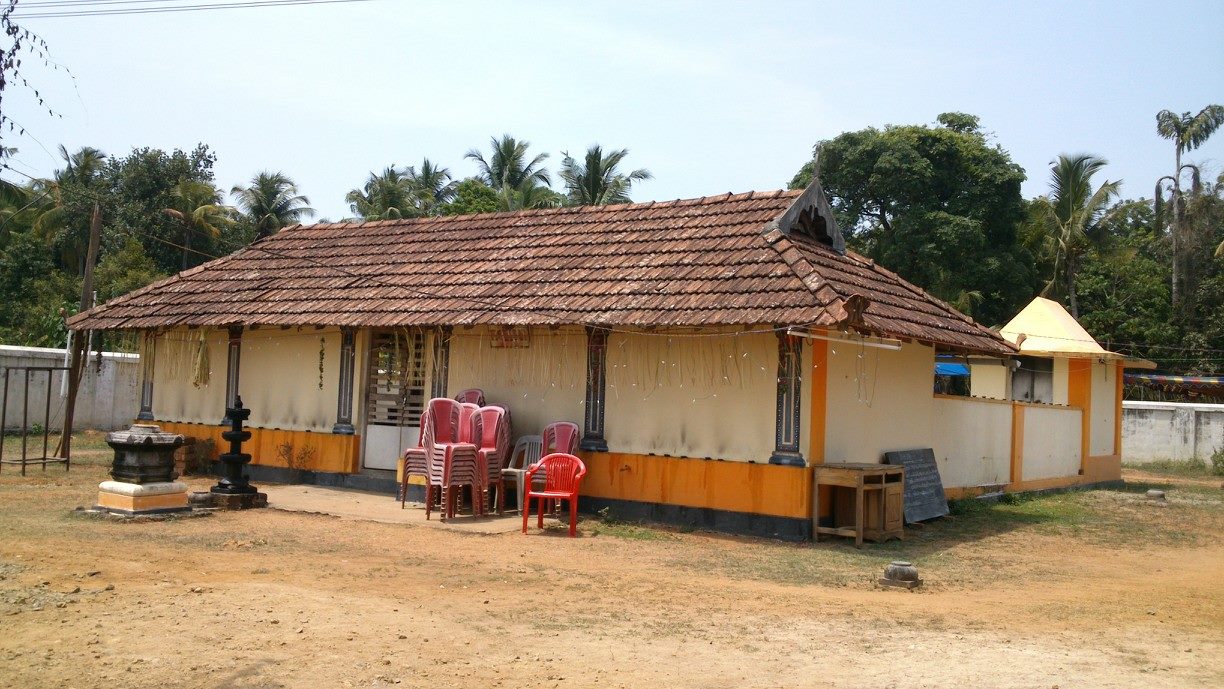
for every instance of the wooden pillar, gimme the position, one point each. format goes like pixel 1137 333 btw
pixel 441 361
pixel 593 420
pixel 786 436
pixel 232 365
pixel 344 399
pixel 147 367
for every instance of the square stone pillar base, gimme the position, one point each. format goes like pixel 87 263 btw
pixel 148 498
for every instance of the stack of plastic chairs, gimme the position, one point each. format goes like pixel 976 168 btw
pixel 471 396
pixel 452 459
pixel 491 434
pixel 416 459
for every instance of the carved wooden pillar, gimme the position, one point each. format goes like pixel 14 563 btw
pixel 441 362
pixel 232 364
pixel 597 356
pixel 786 437
pixel 146 372
pixel 344 399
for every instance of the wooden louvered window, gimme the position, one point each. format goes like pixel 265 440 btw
pixel 395 390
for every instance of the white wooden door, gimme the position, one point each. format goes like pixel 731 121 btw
pixel 395 396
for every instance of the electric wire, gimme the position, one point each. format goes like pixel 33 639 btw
pixel 69 12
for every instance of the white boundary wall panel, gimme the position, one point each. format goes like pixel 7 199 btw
pixel 109 397
pixel 1051 442
pixel 972 442
pixel 1153 431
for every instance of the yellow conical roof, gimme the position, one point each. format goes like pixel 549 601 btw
pixel 1048 330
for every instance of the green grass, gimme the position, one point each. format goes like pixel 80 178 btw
pixel 1175 467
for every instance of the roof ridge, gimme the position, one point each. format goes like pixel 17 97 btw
pixel 821 289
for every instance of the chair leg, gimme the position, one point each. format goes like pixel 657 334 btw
pixel 501 497
pixel 525 509
pixel 542 506
pixel 573 505
pixel 428 498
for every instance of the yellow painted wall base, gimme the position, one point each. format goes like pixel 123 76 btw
pixel 142 503
pixel 311 451
pixel 771 489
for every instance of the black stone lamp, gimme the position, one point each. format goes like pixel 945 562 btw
pixel 233 480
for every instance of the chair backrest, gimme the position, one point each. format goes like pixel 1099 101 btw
pixel 527 451
pixel 466 411
pixel 560 436
pixel 486 424
pixel 471 396
pixel 563 472
pixel 444 420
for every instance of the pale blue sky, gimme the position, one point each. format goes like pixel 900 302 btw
pixel 711 97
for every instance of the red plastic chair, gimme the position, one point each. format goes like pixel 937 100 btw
pixel 471 396
pixel 560 436
pixel 562 476
pixel 491 434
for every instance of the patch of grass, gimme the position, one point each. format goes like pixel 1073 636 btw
pixel 634 532
pixel 1175 467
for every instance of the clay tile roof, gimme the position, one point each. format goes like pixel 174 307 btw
pixel 696 262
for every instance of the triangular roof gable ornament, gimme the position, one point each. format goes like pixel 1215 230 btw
pixel 812 216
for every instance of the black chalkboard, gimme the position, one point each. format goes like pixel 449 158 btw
pixel 924 491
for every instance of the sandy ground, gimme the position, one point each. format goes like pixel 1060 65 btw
pixel 277 599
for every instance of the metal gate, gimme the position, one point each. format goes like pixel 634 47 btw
pixel 395 396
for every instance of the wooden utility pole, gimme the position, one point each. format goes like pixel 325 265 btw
pixel 80 342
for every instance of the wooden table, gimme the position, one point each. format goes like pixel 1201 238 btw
pixel 877 506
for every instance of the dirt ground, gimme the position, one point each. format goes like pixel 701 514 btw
pixel 1098 589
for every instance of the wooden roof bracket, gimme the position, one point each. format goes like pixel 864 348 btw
pixel 811 216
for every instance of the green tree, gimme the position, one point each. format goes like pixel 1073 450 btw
pixel 597 180
pixel 65 202
pixel 472 196
pixel 432 185
pixel 1187 132
pixel 271 201
pixel 520 182
pixel 940 205
pixel 1072 213
pixel 387 196
pixel 197 207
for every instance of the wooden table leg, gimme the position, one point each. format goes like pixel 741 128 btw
pixel 858 514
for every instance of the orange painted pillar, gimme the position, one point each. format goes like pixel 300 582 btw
pixel 1017 443
pixel 1118 411
pixel 1079 394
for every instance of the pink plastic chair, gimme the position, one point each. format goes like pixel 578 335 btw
pixel 471 396
pixel 491 434
pixel 562 477
pixel 452 460
pixel 560 436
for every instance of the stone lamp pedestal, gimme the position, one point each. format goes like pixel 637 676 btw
pixel 143 472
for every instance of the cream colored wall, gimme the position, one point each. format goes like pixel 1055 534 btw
pixel 1101 424
pixel 991 381
pixel 1051 442
pixel 1061 380
pixel 696 396
pixel 883 401
pixel 972 442
pixel 539 384
pixel 279 380
pixel 175 397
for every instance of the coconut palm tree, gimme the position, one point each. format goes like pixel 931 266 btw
pixel 197 207
pixel 271 202
pixel 1072 214
pixel 597 181
pixel 507 168
pixel 433 186
pixel 386 196
pixel 55 222
pixel 1187 132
